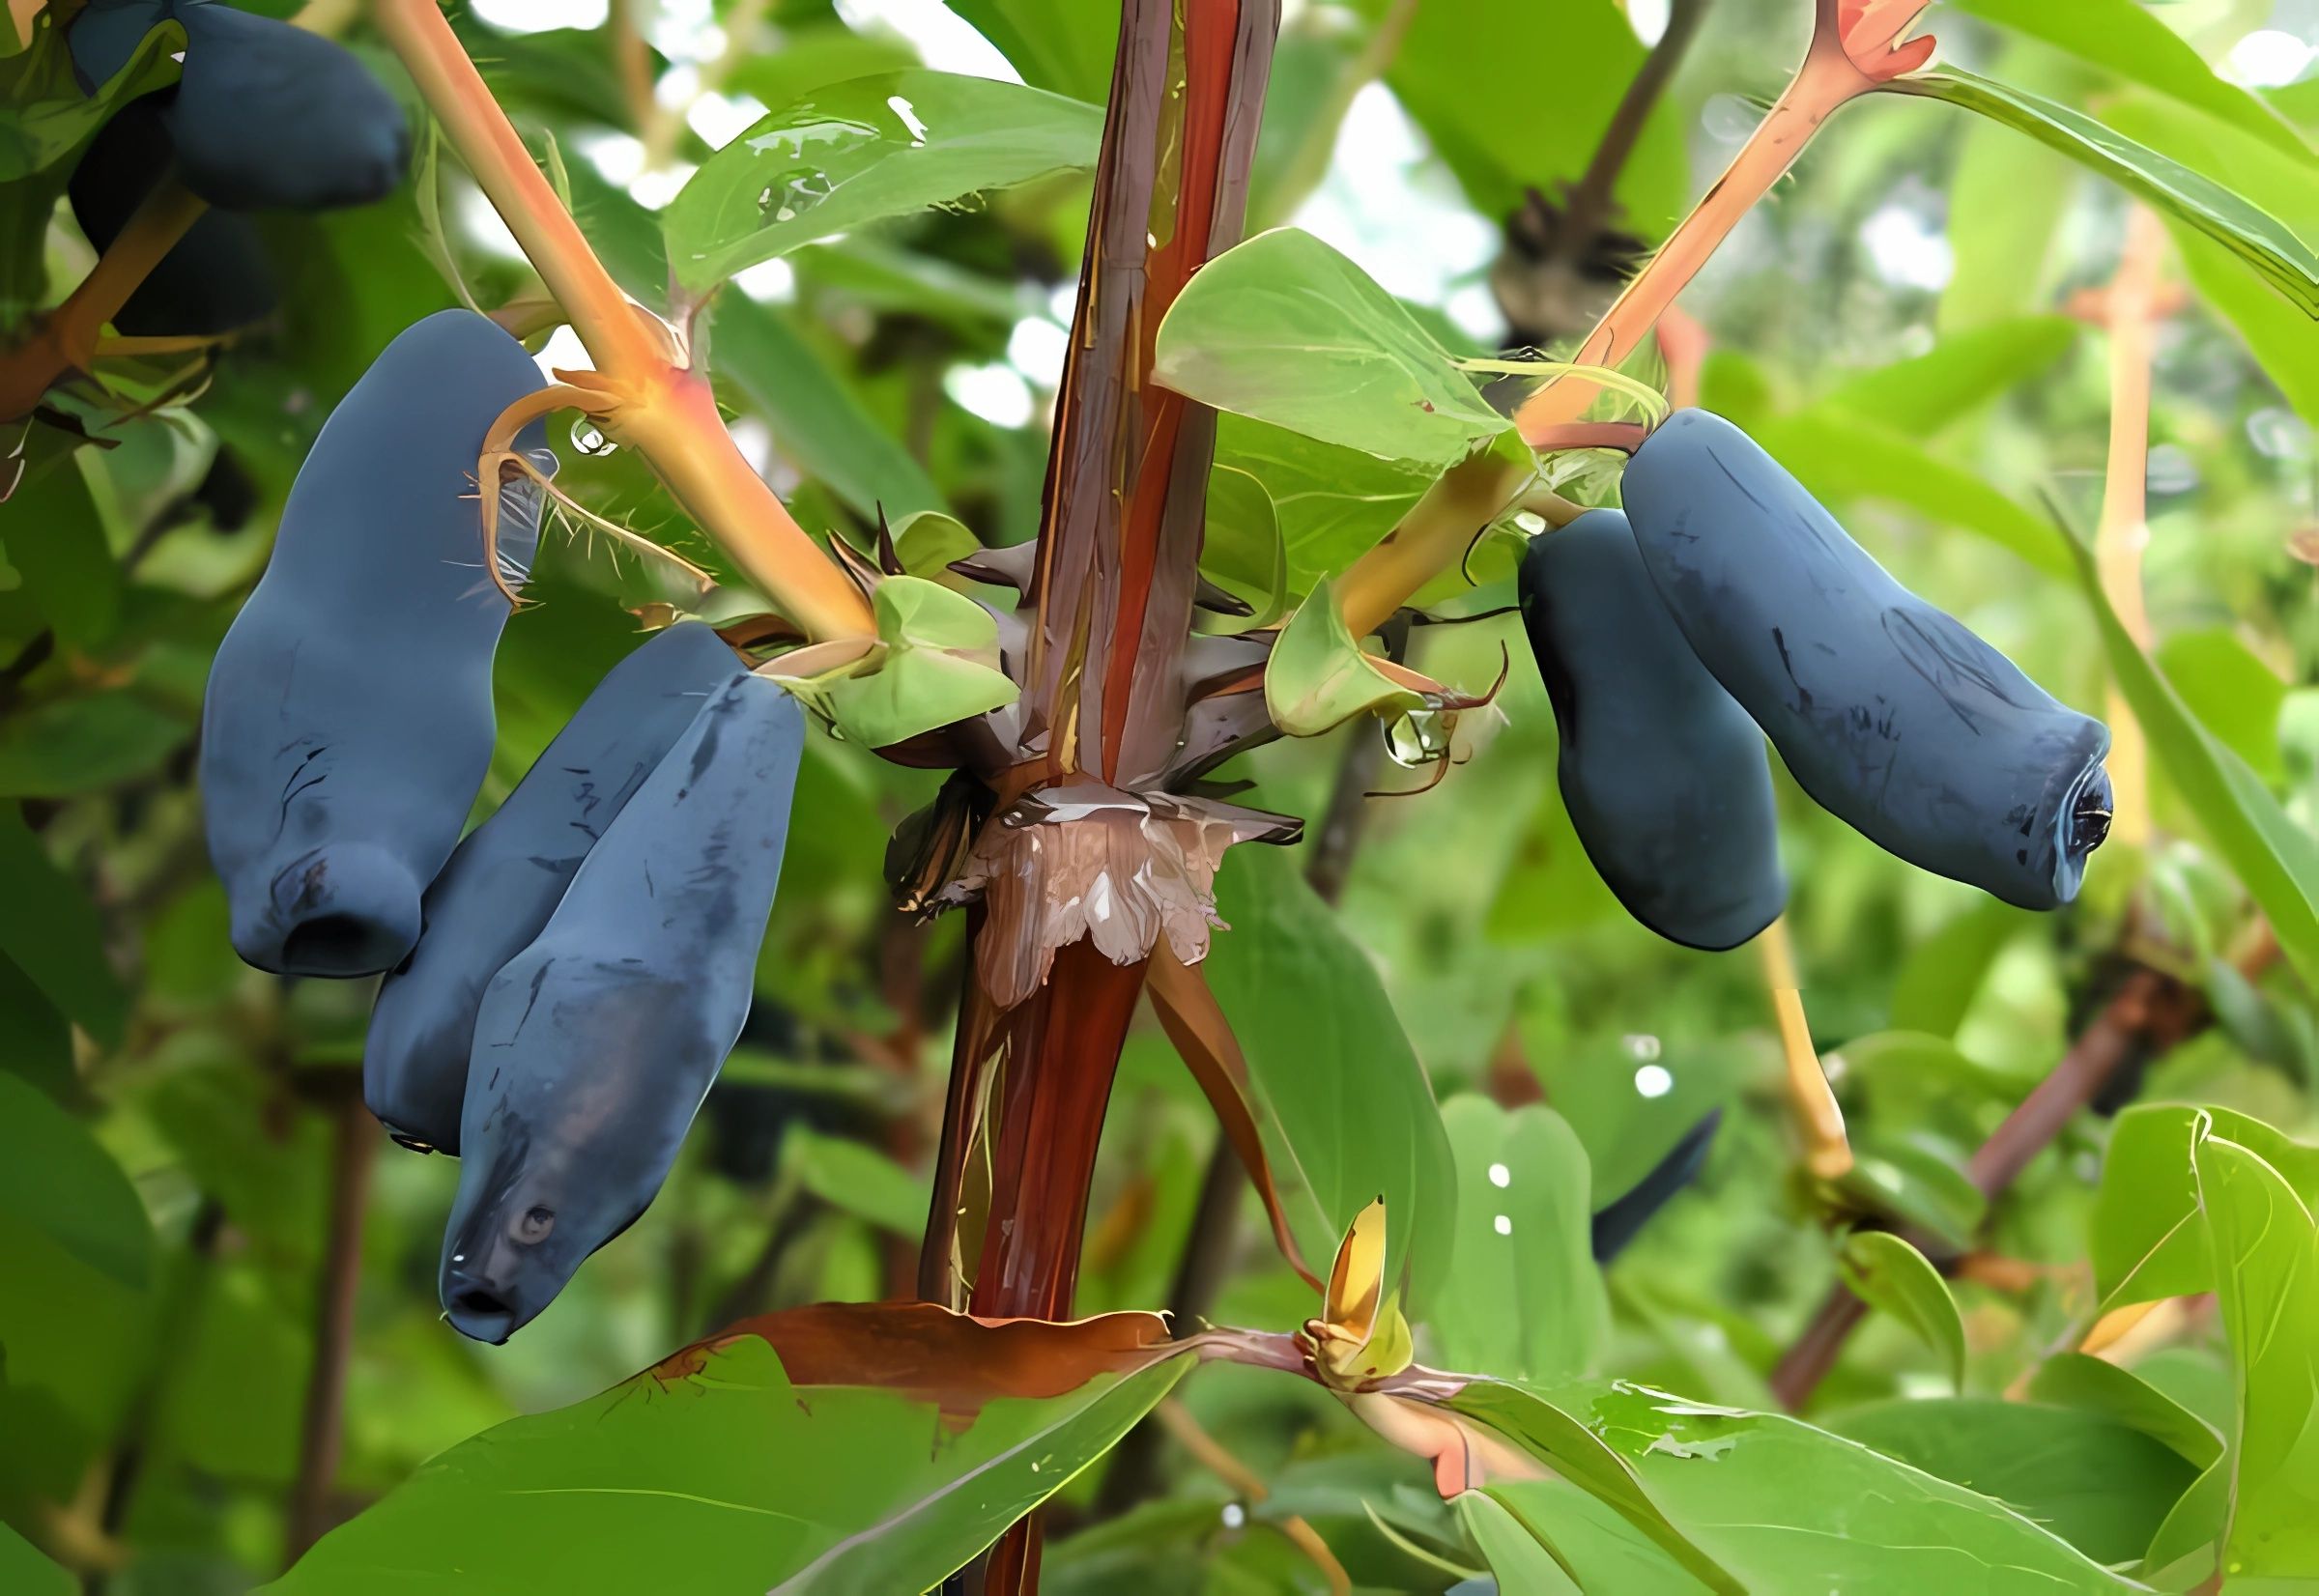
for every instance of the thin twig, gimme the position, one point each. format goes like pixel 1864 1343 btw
pixel 323 1430
pixel 1592 203
pixel 1827 1152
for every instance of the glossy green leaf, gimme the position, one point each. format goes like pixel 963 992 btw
pixel 2267 245
pixel 765 1486
pixel 1523 1298
pixel 2276 860
pixel 2078 1380
pixel 56 1178
pixel 1285 329
pixel 2266 1247
pixel 50 929
pixel 1784 1506
pixel 2124 38
pixel 856 1179
pixel 2099 1484
pixel 2147 1242
pixel 2006 201
pixel 864 151
pixel 1518 1558
pixel 1333 1073
pixel 1842 457
pixel 1890 1275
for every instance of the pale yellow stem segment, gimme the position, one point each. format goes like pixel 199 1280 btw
pixel 2132 310
pixel 1827 1152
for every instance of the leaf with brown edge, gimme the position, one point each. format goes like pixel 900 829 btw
pixel 834 1448
pixel 927 1351
pixel 1195 1021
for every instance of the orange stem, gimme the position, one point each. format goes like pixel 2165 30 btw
pixel 653 398
pixel 1435 534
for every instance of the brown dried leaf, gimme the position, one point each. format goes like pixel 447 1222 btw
pixel 1091 861
pixel 1195 1022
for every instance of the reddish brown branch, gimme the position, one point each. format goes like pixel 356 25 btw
pixel 2151 1013
pixel 323 1431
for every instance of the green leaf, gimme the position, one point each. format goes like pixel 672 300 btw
pixel 55 1178
pixel 2078 1380
pixel 856 1179
pixel 936 662
pixel 1777 1506
pixel 1577 1450
pixel 1341 1090
pixel 2006 201
pixel 2262 242
pixel 2124 38
pixel 1839 457
pixel 2275 860
pixel 2099 1484
pixel 74 746
pixel 25 1572
pixel 817 419
pixel 1519 1559
pixel 1887 1274
pixel 2276 333
pixel 1331 504
pixel 50 929
pixel 2235 696
pixel 2266 1249
pixel 1064 46
pixel 927 541
pixel 1241 549
pixel 35 1040
pixel 864 151
pixel 56 541
pixel 813 56
pixel 763 1485
pixel 1319 677
pixel 1920 395
pixel 45 117
pixel 1285 329
pixel 1944 972
pixel 1523 1299
pixel 1451 74
pixel 2147 1242
pixel 1915 1185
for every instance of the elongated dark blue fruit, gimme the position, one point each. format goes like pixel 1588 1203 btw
pixel 264 116
pixel 348 720
pixel 1889 712
pixel 1666 779
pixel 595 1044
pixel 214 279
pixel 1619 1223
pixel 505 879
pixel 271 117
